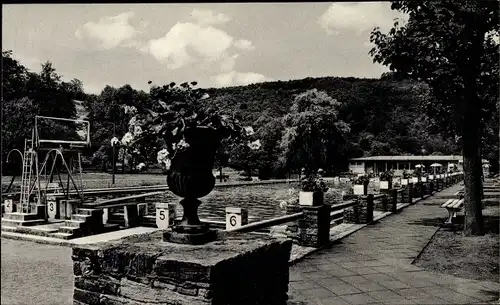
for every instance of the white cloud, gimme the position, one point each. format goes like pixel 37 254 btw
pixel 208 17
pixel 234 78
pixel 244 44
pixel 111 32
pixel 228 63
pixel 186 42
pixel 200 43
pixel 359 17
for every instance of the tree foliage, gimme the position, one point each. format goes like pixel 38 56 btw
pixel 450 46
pixel 26 94
pixel 313 133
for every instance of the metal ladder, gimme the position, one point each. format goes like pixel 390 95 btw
pixel 30 157
pixel 26 178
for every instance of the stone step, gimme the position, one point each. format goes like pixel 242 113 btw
pixel 74 223
pixel 8 229
pixel 80 217
pixel 17 223
pixel 62 235
pixel 39 231
pixel 21 216
pixel 108 227
pixel 117 215
pixel 87 211
pixel 69 230
pixel 148 221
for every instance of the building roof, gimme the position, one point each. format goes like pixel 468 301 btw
pixel 409 158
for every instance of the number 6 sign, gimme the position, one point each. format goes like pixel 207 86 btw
pixel 236 217
pixel 165 215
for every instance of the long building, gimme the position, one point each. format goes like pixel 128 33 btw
pixel 378 164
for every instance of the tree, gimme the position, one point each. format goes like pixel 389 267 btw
pixel 312 131
pixel 445 44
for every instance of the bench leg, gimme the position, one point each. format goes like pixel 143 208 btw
pixel 451 214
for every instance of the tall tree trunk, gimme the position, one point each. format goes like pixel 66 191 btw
pixel 474 224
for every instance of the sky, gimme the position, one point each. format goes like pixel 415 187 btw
pixel 216 44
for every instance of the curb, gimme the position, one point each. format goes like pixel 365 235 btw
pixel 37 239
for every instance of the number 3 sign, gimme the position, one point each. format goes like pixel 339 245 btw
pixel 51 207
pixel 165 215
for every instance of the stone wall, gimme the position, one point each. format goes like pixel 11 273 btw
pixel 143 270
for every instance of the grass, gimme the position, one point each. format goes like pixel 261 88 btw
pixel 471 257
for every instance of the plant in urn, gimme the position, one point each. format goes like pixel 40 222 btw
pixel 186 133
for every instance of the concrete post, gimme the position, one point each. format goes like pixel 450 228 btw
pixel 369 208
pixel 315 228
pixel 394 200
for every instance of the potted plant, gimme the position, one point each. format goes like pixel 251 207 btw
pixel 416 175
pixel 360 185
pixel 312 189
pixel 185 132
pixel 386 180
pixel 406 178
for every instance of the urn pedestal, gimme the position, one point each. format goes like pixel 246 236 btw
pixel 311 198
pixel 190 177
pixel 360 189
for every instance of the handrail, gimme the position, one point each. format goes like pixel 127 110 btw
pixel 109 202
pixel 161 187
pixel 254 226
pixel 343 205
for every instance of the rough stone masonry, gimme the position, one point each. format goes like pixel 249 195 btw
pixel 236 269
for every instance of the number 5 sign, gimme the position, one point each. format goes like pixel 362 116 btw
pixel 236 217
pixel 165 215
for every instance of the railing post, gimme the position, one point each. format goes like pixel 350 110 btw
pixel 369 208
pixel 410 193
pixel 293 228
pixel 315 231
pixel 394 200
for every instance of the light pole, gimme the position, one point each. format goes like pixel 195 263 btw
pixel 114 153
pixel 423 151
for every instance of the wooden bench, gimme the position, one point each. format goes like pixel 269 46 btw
pixel 453 206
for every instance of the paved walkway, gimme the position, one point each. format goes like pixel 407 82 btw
pixel 373 266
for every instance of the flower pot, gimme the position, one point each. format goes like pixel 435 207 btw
pixel 360 189
pixel 404 181
pixel 423 179
pixel 385 185
pixel 191 177
pixel 414 179
pixel 431 177
pixel 311 198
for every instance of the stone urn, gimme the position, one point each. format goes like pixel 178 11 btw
pixel 190 177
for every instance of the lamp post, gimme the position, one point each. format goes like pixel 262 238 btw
pixel 114 153
pixel 423 151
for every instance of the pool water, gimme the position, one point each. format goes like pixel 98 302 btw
pixel 261 201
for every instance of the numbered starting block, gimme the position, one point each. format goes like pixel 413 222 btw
pixel 165 215
pixel 236 217
pixel 8 206
pixel 52 208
